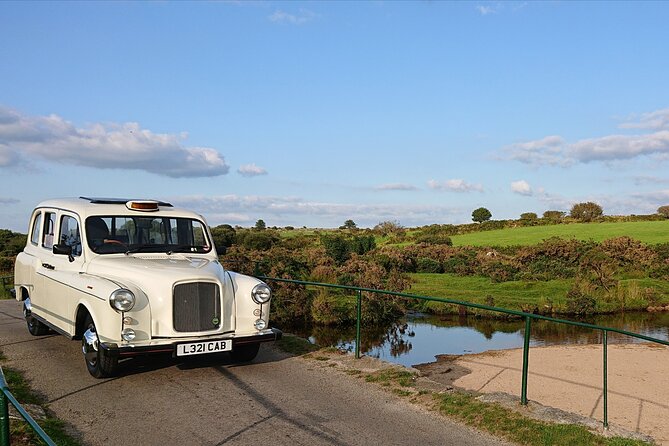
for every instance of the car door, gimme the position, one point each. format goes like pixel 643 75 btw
pixel 62 270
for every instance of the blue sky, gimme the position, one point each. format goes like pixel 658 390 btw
pixel 308 114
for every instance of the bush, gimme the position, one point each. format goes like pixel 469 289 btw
pixel 586 212
pixel 579 303
pixel 427 265
pixel 434 239
pixel 499 271
pixel 257 240
pixel 554 216
pixel 528 218
pixel 663 211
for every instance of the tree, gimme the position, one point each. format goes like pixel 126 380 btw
pixel 528 217
pixel 588 211
pixel 554 216
pixel 349 224
pixel 480 215
pixel 664 211
pixel 260 225
pixel 224 236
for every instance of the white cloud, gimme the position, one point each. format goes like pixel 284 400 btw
pixel 281 211
pixel 303 16
pixel 656 120
pixel 6 200
pixel 548 150
pixel 106 146
pixel 554 151
pixel 396 186
pixel 455 185
pixel 251 170
pixel 521 187
pixel 485 10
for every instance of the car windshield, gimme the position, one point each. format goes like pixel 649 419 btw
pixel 130 234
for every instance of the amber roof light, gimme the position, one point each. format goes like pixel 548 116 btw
pixel 142 205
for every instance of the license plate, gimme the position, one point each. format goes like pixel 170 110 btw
pixel 200 348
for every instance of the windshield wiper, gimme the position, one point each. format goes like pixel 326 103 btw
pixel 139 249
pixel 184 248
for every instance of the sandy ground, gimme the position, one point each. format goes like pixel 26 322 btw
pixel 570 378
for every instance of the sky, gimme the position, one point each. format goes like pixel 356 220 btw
pixel 313 113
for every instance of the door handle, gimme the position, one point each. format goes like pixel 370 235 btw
pixel 47 266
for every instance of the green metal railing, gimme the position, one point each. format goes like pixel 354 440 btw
pixel 6 397
pixel 528 317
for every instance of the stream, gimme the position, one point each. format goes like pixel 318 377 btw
pixel 418 337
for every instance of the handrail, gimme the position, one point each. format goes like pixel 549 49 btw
pixel 526 336
pixel 7 397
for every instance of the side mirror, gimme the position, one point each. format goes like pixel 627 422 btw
pixel 63 250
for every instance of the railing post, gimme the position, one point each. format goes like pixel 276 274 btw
pixel 526 357
pixel 605 390
pixel 357 324
pixel 4 416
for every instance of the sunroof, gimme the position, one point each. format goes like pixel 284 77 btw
pixel 101 200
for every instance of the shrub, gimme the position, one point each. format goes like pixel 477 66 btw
pixel 528 218
pixel 499 271
pixel 588 211
pixel 579 303
pixel 257 240
pixel 626 251
pixel 362 244
pixel 434 239
pixel 663 211
pixel 427 265
pixel 337 247
pixel 554 216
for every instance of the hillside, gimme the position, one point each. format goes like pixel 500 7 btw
pixel 649 232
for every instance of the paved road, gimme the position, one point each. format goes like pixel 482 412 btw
pixel 278 400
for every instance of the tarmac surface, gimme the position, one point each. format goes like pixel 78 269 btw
pixel 277 399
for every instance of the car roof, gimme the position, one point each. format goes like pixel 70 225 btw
pixel 89 206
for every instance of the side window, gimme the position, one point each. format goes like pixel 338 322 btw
pixel 49 228
pixel 69 234
pixel 34 233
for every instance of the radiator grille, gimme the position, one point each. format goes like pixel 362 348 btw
pixel 196 307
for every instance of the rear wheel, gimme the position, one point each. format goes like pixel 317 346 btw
pixel 245 353
pixel 99 362
pixel 35 327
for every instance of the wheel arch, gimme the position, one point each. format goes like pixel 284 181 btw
pixel 80 320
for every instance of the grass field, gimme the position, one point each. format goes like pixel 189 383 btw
pixel 521 294
pixel 650 232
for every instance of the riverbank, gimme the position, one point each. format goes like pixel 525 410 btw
pixel 570 378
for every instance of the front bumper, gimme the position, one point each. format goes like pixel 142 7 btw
pixel 170 345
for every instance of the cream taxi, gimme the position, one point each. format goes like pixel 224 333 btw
pixel 130 277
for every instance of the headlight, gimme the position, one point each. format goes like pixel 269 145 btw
pixel 261 293
pixel 122 300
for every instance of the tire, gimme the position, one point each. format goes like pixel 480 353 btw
pixel 99 362
pixel 245 353
pixel 35 327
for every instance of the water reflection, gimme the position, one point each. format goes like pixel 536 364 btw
pixel 418 338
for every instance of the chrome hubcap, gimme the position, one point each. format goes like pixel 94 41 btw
pixel 26 308
pixel 89 346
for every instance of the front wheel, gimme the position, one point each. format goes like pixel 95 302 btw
pixel 245 353
pixel 100 363
pixel 35 327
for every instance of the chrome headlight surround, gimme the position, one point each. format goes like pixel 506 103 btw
pixel 261 293
pixel 122 300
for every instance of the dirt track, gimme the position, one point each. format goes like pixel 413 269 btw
pixel 570 378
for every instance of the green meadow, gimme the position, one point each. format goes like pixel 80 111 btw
pixel 650 232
